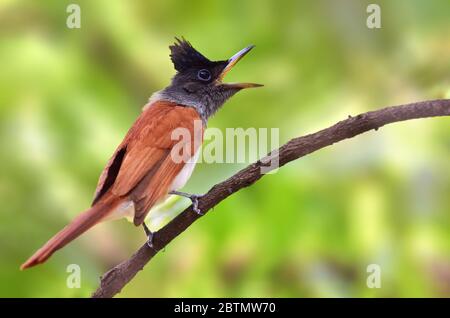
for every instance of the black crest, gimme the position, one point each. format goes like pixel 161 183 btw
pixel 184 56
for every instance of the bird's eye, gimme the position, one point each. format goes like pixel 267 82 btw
pixel 204 75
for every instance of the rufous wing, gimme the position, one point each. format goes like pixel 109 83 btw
pixel 145 164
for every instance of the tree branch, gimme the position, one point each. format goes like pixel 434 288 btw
pixel 115 279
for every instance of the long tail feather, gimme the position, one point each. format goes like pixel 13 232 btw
pixel 78 226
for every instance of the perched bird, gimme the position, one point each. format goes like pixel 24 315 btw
pixel 145 168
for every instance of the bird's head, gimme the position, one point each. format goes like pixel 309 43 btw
pixel 198 81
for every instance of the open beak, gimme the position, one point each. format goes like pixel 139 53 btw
pixel 232 61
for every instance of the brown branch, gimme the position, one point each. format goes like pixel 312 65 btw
pixel 115 279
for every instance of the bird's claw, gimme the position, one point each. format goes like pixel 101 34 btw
pixel 150 240
pixel 194 199
pixel 149 235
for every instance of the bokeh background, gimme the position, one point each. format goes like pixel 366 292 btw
pixel 68 96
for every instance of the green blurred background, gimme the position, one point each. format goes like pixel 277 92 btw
pixel 68 96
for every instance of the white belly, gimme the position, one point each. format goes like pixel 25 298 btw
pixel 185 173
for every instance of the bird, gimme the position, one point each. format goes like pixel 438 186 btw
pixel 146 167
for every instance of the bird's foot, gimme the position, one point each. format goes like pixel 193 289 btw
pixel 149 235
pixel 193 197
